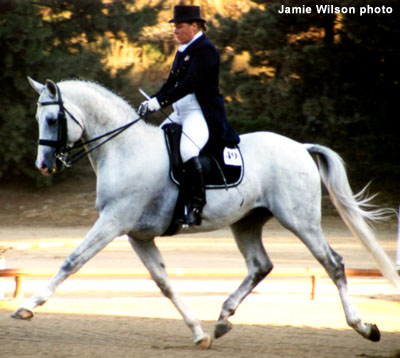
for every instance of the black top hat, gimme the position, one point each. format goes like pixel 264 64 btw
pixel 186 13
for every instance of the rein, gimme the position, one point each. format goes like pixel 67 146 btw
pixel 63 151
pixel 68 162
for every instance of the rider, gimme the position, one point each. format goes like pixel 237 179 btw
pixel 193 90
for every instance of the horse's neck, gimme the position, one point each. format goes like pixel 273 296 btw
pixel 103 112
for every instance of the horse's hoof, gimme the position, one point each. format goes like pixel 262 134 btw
pixel 374 334
pixel 204 343
pixel 22 313
pixel 222 328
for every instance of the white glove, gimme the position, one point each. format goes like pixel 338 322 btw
pixel 150 105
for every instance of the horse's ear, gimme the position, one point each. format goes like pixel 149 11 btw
pixel 52 88
pixel 38 87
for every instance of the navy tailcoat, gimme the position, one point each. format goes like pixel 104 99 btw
pixel 196 70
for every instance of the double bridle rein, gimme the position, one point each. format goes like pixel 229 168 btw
pixel 62 152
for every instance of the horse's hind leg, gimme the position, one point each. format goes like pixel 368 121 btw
pixel 314 239
pixel 151 258
pixel 248 236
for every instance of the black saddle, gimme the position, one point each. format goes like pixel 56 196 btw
pixel 223 168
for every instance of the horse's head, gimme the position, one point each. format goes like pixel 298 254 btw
pixel 58 128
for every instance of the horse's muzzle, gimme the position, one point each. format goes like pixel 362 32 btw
pixel 45 170
pixel 47 163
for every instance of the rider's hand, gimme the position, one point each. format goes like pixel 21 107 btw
pixel 150 105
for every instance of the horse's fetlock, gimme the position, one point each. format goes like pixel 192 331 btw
pixel 41 302
pixel 354 323
pixel 227 309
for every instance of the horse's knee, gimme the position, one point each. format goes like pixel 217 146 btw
pixel 70 265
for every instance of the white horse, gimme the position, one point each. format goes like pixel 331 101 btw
pixel 136 197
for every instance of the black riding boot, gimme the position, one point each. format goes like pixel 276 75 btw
pixel 196 195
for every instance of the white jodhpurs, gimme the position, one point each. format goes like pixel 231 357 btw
pixel 188 114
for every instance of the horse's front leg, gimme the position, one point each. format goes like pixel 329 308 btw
pixel 151 258
pixel 101 234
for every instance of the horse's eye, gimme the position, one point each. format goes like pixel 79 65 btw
pixel 51 121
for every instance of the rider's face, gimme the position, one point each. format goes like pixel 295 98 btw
pixel 184 32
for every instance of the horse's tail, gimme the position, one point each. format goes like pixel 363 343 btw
pixel 355 210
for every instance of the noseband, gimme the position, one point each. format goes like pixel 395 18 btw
pixel 62 150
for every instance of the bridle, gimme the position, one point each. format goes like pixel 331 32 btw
pixel 60 145
pixel 62 153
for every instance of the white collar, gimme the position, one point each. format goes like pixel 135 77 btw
pixel 183 47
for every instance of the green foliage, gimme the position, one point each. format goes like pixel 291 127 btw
pixel 57 39
pixel 153 54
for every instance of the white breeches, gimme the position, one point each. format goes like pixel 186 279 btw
pixel 188 114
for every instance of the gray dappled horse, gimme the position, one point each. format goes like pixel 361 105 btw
pixel 136 197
